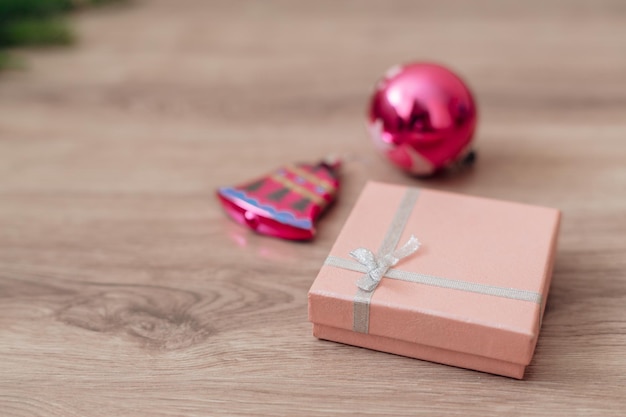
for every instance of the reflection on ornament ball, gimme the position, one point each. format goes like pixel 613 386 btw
pixel 422 118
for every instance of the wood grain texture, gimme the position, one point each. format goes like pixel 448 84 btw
pixel 125 291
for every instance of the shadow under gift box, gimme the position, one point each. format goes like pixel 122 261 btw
pixel 472 296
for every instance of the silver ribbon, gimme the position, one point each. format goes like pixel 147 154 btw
pixel 376 267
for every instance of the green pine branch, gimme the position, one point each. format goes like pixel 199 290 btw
pixel 36 32
pixel 37 23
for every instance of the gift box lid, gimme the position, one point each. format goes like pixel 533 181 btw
pixel 477 284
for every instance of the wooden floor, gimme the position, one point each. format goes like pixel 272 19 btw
pixel 125 291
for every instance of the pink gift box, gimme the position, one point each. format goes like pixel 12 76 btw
pixel 472 295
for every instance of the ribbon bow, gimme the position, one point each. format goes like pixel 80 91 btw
pixel 377 266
